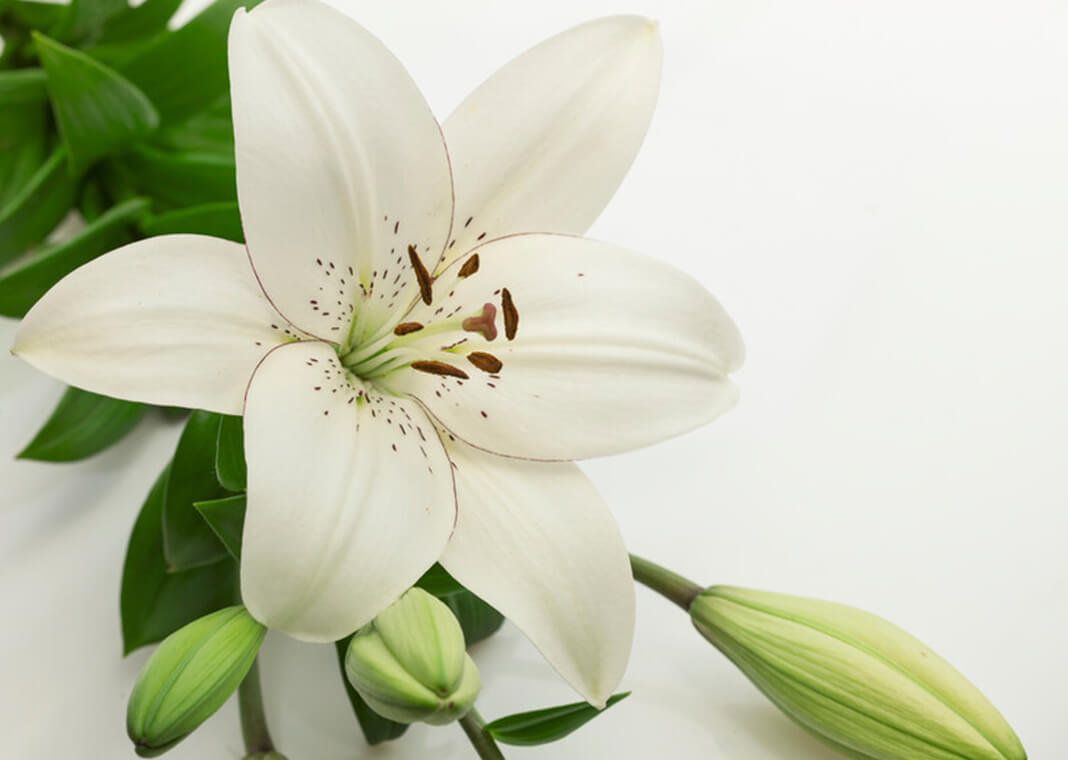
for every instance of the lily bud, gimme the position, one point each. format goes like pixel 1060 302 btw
pixel 860 683
pixel 410 663
pixel 189 676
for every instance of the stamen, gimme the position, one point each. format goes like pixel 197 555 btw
pixel 439 368
pixel 511 315
pixel 484 323
pixel 421 276
pixel 469 268
pixel 407 327
pixel 485 362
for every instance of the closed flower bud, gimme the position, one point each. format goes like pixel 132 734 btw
pixel 189 676
pixel 863 685
pixel 410 664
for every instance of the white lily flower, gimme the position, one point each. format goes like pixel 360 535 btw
pixel 404 342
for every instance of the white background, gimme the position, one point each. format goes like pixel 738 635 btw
pixel 878 194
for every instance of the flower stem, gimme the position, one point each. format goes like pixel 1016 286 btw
pixel 253 719
pixel 483 743
pixel 664 582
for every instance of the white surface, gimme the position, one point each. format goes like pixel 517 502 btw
pixel 877 193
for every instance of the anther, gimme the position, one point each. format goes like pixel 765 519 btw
pixel 421 275
pixel 439 368
pixel 485 362
pixel 469 268
pixel 484 323
pixel 407 327
pixel 511 315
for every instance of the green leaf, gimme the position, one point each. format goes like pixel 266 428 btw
pixel 230 466
pixel 216 219
pixel 154 602
pixel 376 729
pixel 37 207
pixel 91 200
pixel 23 146
pixel 181 179
pixel 81 425
pixel 86 18
pixel 185 71
pixel 37 15
pixel 226 517
pixel 438 582
pixel 188 541
pixel 209 131
pixel 96 109
pixel 137 22
pixel 30 278
pixel 23 87
pixel 478 620
pixel 528 729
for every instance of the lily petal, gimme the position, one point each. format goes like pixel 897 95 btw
pixel 537 542
pixel 176 320
pixel 544 142
pixel 340 166
pixel 608 350
pixel 350 496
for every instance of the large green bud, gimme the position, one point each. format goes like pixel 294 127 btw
pixel 410 663
pixel 189 676
pixel 860 683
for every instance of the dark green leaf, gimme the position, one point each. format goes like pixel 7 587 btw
pixel 23 87
pixel 96 109
pixel 82 424
pixel 178 180
pixel 209 131
pixel 86 18
pixel 185 71
pixel 23 146
pixel 543 726
pixel 216 219
pixel 438 582
pixel 37 15
pixel 478 620
pixel 37 207
pixel 137 22
pixel 155 602
pixel 230 454
pixel 29 279
pixel 227 519
pixel 188 541
pixel 376 729
pixel 91 200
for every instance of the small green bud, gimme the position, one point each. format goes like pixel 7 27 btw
pixel 858 682
pixel 410 664
pixel 189 676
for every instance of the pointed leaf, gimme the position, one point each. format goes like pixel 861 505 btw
pixel 230 465
pixel 188 541
pixel 182 90
pixel 30 278
pixel 23 146
pixel 37 15
pixel 376 729
pixel 226 517
pixel 478 620
pixel 138 22
pixel 215 219
pixel 97 111
pixel 82 424
pixel 23 87
pixel 181 179
pixel 37 207
pixel 208 131
pixel 155 602
pixel 86 18
pixel 543 726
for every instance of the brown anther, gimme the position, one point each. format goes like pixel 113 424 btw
pixel 485 362
pixel 439 368
pixel 484 323
pixel 407 327
pixel 511 315
pixel 469 268
pixel 421 276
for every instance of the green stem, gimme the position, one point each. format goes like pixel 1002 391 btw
pixel 253 719
pixel 664 582
pixel 483 743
